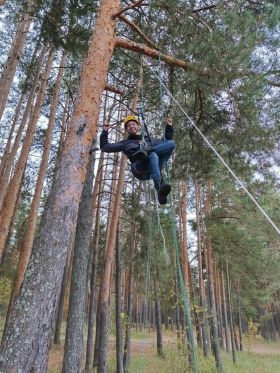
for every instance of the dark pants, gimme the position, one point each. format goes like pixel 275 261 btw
pixel 158 158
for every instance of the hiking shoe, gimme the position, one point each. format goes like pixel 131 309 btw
pixel 163 192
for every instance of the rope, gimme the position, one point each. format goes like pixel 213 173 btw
pixel 184 295
pixel 161 98
pixel 216 153
pixel 143 144
pixel 141 111
pixel 148 266
pixel 166 255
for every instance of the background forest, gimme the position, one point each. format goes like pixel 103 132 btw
pixel 85 245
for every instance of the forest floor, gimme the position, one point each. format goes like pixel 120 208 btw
pixel 259 356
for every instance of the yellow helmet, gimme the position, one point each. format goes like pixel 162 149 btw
pixel 129 118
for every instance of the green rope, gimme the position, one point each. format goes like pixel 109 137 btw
pixel 148 267
pixel 183 290
pixel 184 295
pixel 161 99
pixel 166 255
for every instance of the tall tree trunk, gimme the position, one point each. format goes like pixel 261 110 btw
pixel 9 202
pixel 74 341
pixel 202 297
pixel 195 312
pixel 177 309
pixel 239 317
pixel 95 244
pixel 158 318
pixel 220 309
pixel 111 204
pixel 183 235
pixel 106 275
pixel 129 281
pixel 119 356
pixel 33 214
pixel 59 316
pixel 208 247
pixel 230 316
pixel 32 316
pixel 218 305
pixel 225 313
pixel 234 332
pixel 9 141
pixel 28 108
pixel 10 66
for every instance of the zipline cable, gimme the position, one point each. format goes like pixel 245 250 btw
pixel 216 152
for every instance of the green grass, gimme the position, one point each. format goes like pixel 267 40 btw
pixel 175 362
pixel 253 363
pixel 145 360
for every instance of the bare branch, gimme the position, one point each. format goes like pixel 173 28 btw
pixel 204 8
pixel 132 6
pixel 150 52
pixel 139 31
pixel 111 88
pixel 274 84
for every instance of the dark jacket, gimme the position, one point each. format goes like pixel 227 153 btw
pixel 132 143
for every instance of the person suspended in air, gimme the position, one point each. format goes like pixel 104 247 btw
pixel 146 162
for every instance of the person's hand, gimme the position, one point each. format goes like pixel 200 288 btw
pixel 106 126
pixel 169 121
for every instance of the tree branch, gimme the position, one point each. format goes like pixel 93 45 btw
pixel 132 6
pixel 150 52
pixel 204 8
pixel 139 31
pixel 275 84
pixel 111 88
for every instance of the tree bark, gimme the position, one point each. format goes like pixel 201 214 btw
pixel 150 52
pixel 74 341
pixel 10 66
pixel 129 281
pixel 27 342
pixel 158 319
pixel 95 244
pixel 9 202
pixel 28 108
pixel 225 313
pixel 106 275
pixel 202 297
pixel 33 214
pixel 119 357
pixel 59 316
pixel 233 351
pixel 111 204
pixel 183 241
pixel 239 318
pixel 9 141
pixel 208 246
pixel 219 307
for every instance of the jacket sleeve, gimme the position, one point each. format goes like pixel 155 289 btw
pixel 169 132
pixel 109 148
